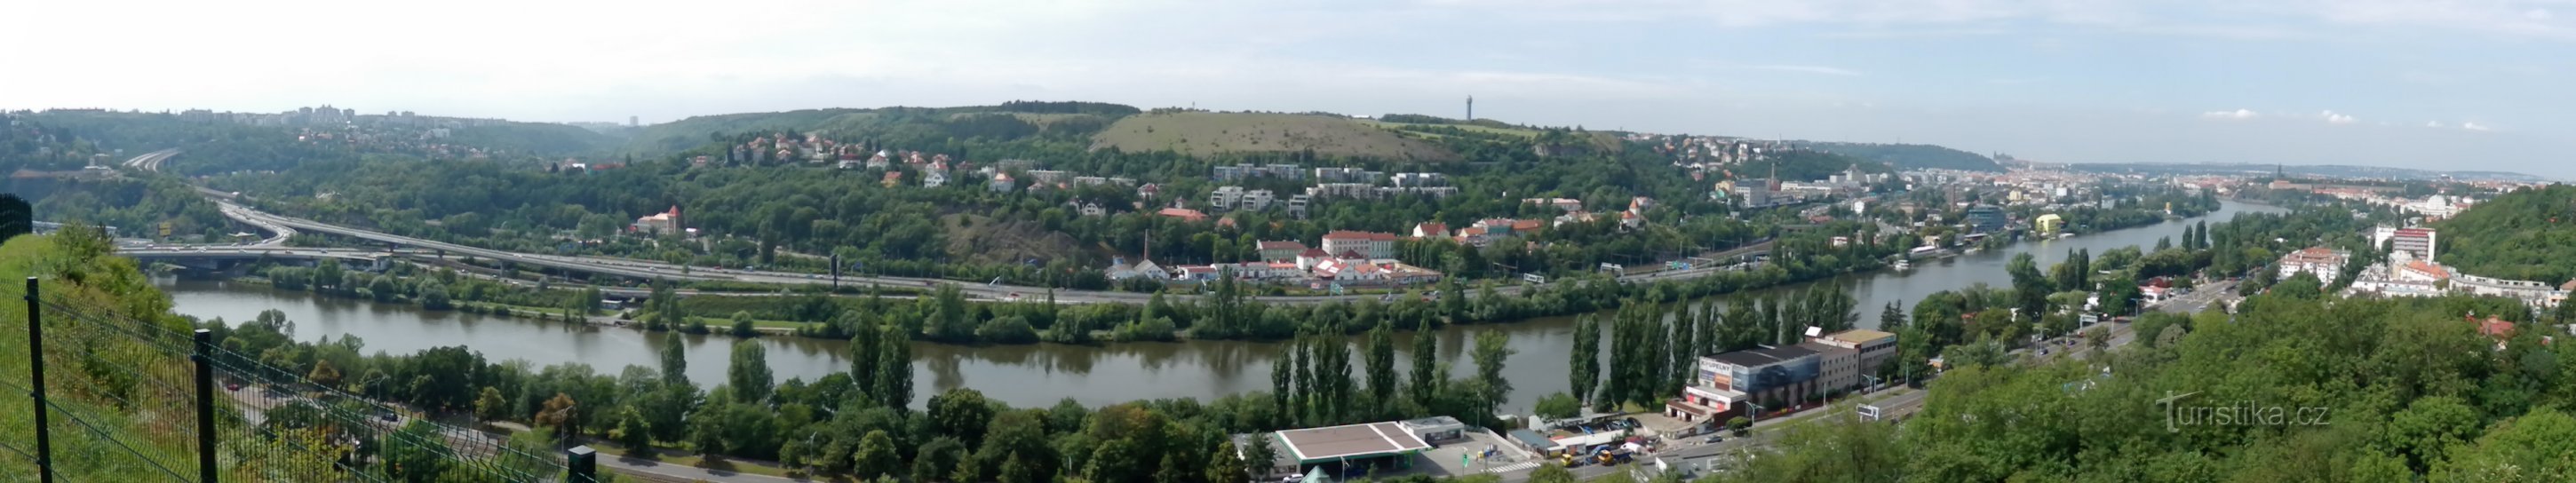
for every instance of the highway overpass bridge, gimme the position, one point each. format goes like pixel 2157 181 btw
pixel 218 257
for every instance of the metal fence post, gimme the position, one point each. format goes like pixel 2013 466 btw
pixel 205 405
pixel 36 365
pixel 581 465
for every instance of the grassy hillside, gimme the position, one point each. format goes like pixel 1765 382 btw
pixel 688 133
pixel 543 139
pixel 1914 156
pixel 2524 235
pixel 895 125
pixel 1205 133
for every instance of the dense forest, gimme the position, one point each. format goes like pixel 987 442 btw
pixel 1912 156
pixel 2524 235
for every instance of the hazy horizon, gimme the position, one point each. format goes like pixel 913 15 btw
pixel 2416 84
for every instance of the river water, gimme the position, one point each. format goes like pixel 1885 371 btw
pixel 1034 375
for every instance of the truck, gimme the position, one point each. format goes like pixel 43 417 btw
pixel 1609 457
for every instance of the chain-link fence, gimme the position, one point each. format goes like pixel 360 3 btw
pixel 130 400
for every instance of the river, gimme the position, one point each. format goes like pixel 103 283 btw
pixel 1036 375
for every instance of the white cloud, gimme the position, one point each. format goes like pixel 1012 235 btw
pixel 2231 115
pixel 2541 14
pixel 2332 117
pixel 2473 126
pixel 2433 124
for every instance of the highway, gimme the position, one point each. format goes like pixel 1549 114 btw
pixel 151 161
pixel 657 270
pixel 282 227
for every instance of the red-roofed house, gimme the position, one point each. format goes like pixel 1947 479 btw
pixel 1429 229
pixel 1185 214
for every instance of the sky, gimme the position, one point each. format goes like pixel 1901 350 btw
pixel 2433 84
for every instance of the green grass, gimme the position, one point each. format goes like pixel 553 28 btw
pixel 1462 127
pixel 1203 133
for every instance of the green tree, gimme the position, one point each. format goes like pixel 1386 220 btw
pixel 961 413
pixel 864 345
pixel 742 324
pixel 433 295
pixel 634 433
pixel 327 274
pixel 1558 406
pixel 894 372
pixel 749 376
pixel 935 461
pixel 1551 473
pixel 382 289
pixel 1224 466
pixel 490 406
pixel 675 360
pixel 876 456
pixel 1381 369
pixel 1283 384
pixel 1119 460
pixel 1492 347
pixel 1260 456
pixel 1426 376
pixel 1586 357
pixel 417 453
pixel 1891 318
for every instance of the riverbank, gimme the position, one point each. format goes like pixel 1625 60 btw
pixel 1042 373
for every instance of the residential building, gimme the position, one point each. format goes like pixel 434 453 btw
pixel 1297 205
pixel 1837 368
pixel 2415 242
pixel 664 223
pixel 1347 175
pixel 1342 190
pixel 1368 244
pixel 934 178
pixel 1120 270
pixel 1149 191
pixel 1225 197
pixel 1255 200
pixel 1048 177
pixel 1568 205
pixel 1001 183
pixel 1417 180
pixel 1874 347
pixel 1430 229
pixel 2420 271
pixel 1755 194
pixel 1280 251
pixel 2325 263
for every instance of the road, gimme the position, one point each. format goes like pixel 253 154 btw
pixel 643 269
pixel 151 161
